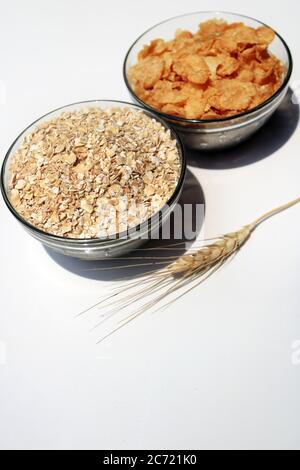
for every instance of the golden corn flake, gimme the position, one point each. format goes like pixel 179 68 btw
pixel 228 66
pixel 149 72
pixel 192 68
pixel 221 70
pixel 232 95
pixel 265 35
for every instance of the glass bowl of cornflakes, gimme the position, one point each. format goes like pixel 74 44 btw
pixel 216 77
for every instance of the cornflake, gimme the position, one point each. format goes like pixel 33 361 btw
pixel 94 172
pixel 221 70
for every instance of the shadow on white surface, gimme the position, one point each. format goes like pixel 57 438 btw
pixel 274 135
pixel 101 270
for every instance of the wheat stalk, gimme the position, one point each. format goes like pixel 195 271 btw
pixel 182 275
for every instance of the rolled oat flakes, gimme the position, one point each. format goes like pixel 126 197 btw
pixel 94 172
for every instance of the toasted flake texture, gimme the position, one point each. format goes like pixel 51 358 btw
pixel 192 68
pixel 228 66
pixel 148 73
pixel 265 35
pixel 217 51
pixel 94 172
pixel 232 95
pixel 195 108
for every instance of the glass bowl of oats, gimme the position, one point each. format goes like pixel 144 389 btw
pixel 215 77
pixel 94 179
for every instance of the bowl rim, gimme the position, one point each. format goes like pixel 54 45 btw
pixel 177 119
pixel 118 236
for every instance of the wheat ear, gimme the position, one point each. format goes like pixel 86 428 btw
pixel 183 274
pixel 224 248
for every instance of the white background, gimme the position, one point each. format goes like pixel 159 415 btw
pixel 216 369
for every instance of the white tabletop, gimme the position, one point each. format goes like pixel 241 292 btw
pixel 217 369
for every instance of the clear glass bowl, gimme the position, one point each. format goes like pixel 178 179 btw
pixel 94 248
pixel 221 133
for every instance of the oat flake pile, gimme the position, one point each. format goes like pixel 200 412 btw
pixel 94 172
